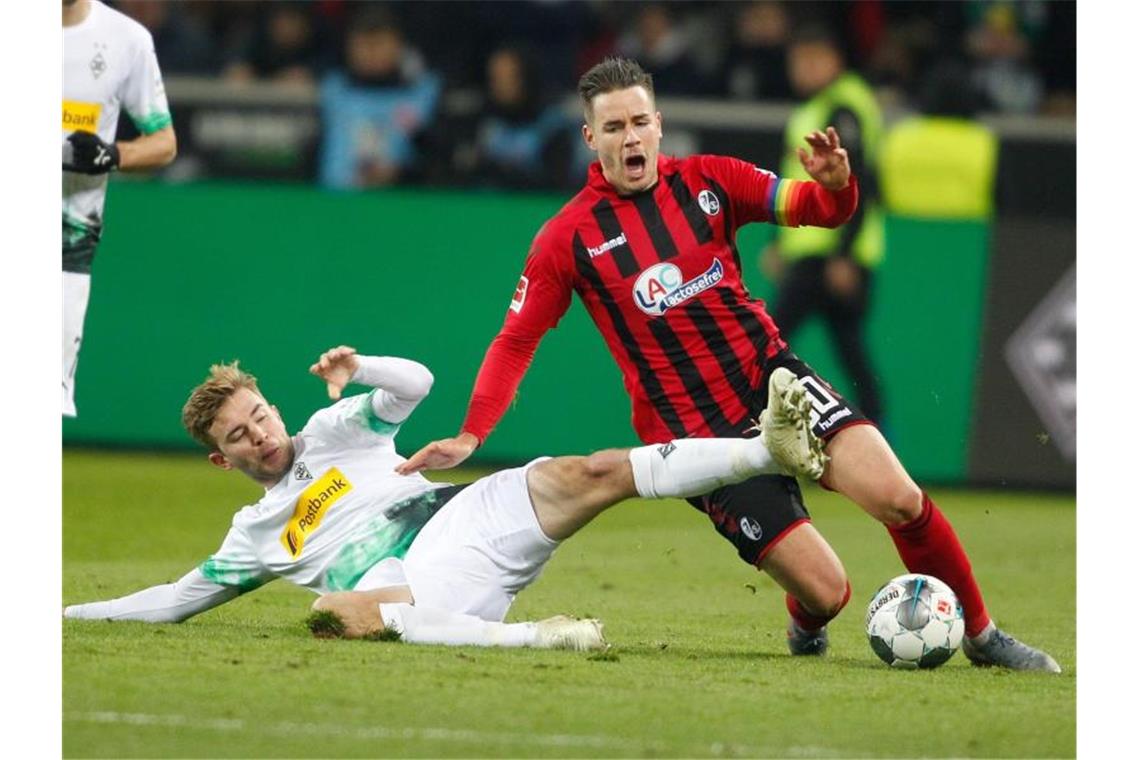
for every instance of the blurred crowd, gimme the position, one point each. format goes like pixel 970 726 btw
pixel 383 69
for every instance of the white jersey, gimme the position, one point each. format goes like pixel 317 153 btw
pixel 108 64
pixel 339 511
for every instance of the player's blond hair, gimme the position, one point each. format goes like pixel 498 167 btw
pixel 200 410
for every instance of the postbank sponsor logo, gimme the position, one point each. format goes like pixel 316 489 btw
pixel 80 117
pixel 313 504
pixel 660 287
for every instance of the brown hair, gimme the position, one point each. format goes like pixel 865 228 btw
pixel 202 407
pixel 610 75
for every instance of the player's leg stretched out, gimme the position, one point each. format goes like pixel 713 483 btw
pixel 863 468
pixel 565 493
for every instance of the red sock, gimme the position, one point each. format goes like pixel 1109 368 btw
pixel 807 620
pixel 929 545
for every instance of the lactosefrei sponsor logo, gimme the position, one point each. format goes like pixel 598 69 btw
pixel 661 287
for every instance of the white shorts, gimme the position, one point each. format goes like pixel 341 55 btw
pixel 76 291
pixel 475 554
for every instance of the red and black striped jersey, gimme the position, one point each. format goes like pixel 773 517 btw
pixel 660 275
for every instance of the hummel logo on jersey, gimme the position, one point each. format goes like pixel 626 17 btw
pixel 666 449
pixel 609 245
pixel 301 472
pixel 708 202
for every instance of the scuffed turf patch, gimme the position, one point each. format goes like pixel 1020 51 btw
pixel 325 625
pixel 386 634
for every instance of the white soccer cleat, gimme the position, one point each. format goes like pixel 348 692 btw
pixel 562 632
pixel 785 426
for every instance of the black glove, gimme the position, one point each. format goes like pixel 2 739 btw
pixel 89 154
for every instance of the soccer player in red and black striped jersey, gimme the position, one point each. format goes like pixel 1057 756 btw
pixel 649 247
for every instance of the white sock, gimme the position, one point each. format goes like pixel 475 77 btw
pixel 425 625
pixel 984 636
pixel 695 466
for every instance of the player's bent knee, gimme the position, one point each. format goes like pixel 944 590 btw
pixel 835 598
pixel 899 503
pixel 827 594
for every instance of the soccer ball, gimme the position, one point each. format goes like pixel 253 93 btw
pixel 914 621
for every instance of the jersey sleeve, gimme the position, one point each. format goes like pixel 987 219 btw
pixel 400 385
pixel 541 297
pixel 174 602
pixel 144 95
pixel 758 195
pixel 366 419
pixel 235 564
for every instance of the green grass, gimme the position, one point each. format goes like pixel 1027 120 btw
pixel 698 665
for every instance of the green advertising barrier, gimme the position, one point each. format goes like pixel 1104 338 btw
pixel 189 275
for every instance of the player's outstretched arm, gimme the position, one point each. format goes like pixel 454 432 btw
pixel 168 603
pixel 402 383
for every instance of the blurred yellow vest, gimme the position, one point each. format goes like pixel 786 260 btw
pixel 851 92
pixel 936 167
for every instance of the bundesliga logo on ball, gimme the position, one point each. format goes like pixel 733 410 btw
pixel 914 621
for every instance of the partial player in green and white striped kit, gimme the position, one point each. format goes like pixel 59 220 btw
pixel 439 564
pixel 108 64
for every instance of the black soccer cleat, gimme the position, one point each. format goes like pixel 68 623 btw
pixel 805 642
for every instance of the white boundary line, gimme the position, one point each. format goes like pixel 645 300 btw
pixel 365 733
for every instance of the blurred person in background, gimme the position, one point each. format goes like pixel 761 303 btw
pixel 521 141
pixel 1000 44
pixel 756 66
pixel 941 163
pixel 829 271
pixel 664 46
pixel 109 64
pixel 182 43
pixel 282 46
pixel 374 108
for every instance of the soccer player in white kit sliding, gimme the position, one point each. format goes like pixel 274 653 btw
pixel 435 563
pixel 108 64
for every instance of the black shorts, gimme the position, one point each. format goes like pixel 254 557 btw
pixel 755 514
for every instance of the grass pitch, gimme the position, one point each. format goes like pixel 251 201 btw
pixel 698 665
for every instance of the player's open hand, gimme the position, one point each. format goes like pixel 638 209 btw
pixel 827 164
pixel 336 367
pixel 440 455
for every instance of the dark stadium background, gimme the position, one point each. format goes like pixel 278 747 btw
pixel 240 250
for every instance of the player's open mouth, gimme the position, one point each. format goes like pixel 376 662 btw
pixel 635 167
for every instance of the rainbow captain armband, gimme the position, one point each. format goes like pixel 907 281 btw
pixel 782 198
